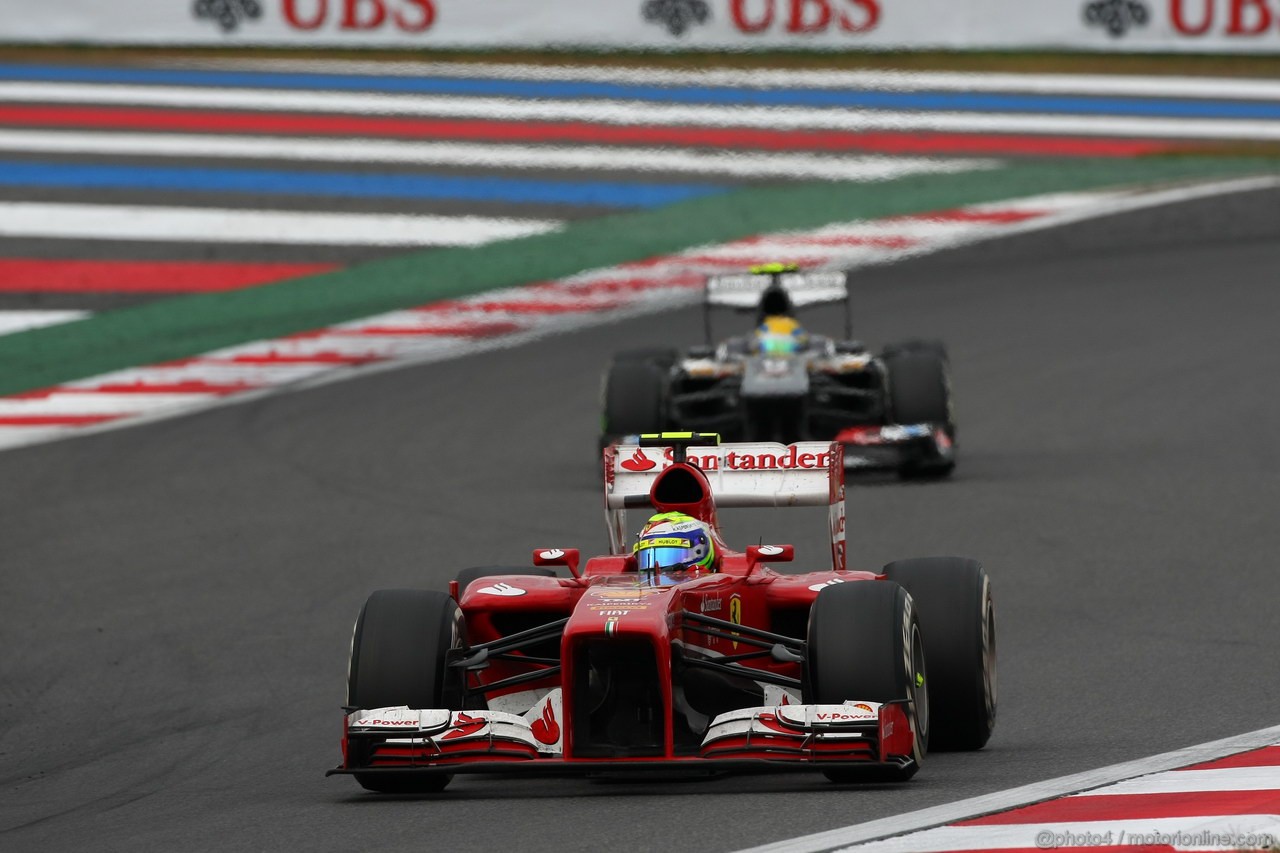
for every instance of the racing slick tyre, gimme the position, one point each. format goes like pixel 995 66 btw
pixel 864 642
pixel 920 392
pixel 398 658
pixel 635 393
pixel 953 598
pixel 466 576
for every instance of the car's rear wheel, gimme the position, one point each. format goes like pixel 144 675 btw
pixel 398 658
pixel 953 597
pixel 635 392
pixel 864 642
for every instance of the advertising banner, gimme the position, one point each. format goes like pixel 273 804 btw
pixel 1210 26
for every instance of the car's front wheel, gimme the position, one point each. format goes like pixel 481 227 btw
pixel 864 642
pixel 398 652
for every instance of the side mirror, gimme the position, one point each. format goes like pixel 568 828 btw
pixel 567 557
pixel 757 554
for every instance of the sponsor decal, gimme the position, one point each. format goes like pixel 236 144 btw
pixel 805 17
pixel 625 605
pixel 611 626
pixel 903 432
pixel 676 15
pixel 545 729
pixel 552 554
pixel 407 16
pixel 818 587
pixel 840 716
pixel 503 589
pixel 863 707
pixel 663 542
pixel 712 605
pixel 1116 16
pixel 464 724
pixel 227 14
pixel 791 459
pixel 769 550
pixel 735 613
pixel 787 459
pixel 1247 18
pixel 378 722
pixel 638 462
pixel 626 593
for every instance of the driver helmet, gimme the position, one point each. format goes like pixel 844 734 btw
pixel 675 547
pixel 780 336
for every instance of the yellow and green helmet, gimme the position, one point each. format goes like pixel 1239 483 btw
pixel 674 546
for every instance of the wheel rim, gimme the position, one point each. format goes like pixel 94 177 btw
pixel 919 685
pixel 989 660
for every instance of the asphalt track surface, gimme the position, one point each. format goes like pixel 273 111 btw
pixel 176 599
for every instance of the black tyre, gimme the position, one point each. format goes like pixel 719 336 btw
pixel 466 576
pixel 920 392
pixel 864 642
pixel 953 598
pixel 919 388
pixel 635 394
pixel 398 658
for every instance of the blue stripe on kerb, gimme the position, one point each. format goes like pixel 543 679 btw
pixel 707 95
pixel 480 188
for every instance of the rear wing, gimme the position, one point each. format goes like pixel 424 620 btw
pixel 803 288
pixel 743 291
pixel 756 474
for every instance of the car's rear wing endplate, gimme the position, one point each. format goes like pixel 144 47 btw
pixel 803 288
pixel 753 474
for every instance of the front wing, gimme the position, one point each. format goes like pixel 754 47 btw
pixel 404 740
pixel 896 446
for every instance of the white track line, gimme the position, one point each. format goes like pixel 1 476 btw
pixel 1030 836
pixel 218 225
pixel 726 163
pixel 1233 88
pixel 639 113
pixel 1225 779
pixel 20 321
pixel 938 816
pixel 90 404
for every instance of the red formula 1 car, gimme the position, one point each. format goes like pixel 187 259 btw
pixel 730 666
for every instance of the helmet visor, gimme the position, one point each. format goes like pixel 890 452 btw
pixel 778 344
pixel 667 552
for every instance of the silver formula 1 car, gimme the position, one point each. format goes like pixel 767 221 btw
pixel 891 410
